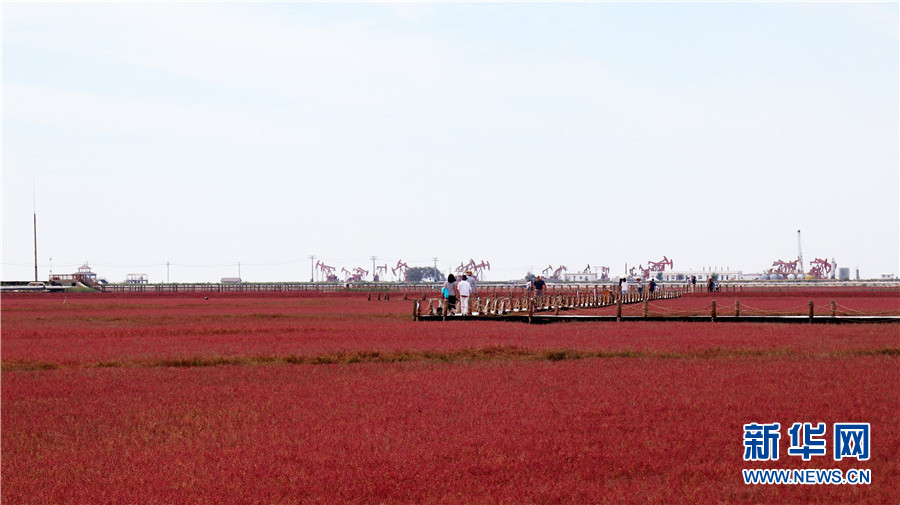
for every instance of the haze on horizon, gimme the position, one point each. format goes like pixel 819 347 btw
pixel 207 135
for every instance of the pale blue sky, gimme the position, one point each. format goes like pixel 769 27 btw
pixel 527 135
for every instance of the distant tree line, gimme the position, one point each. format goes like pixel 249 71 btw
pixel 418 274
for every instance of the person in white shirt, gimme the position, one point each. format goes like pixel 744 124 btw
pixel 465 292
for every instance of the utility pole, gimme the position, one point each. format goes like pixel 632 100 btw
pixel 34 210
pixel 373 267
pixel 239 269
pixel 312 258
pixel 35 247
pixel 799 252
pixel 167 272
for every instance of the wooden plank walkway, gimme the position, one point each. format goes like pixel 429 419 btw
pixel 552 318
pixel 551 309
pixel 529 307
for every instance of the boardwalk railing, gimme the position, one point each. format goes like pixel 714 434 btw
pixel 503 305
pixel 494 289
pixel 547 309
pixel 243 287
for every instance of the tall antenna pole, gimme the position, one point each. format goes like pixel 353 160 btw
pixel 35 247
pixel 311 274
pixel 799 252
pixel 34 211
pixel 373 267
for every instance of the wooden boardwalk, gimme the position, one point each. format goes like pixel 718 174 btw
pixel 562 318
pixel 552 309
pixel 509 307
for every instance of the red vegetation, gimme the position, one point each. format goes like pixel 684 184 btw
pixel 88 329
pixel 480 412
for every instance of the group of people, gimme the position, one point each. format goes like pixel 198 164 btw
pixel 651 285
pixel 624 286
pixel 712 284
pixel 536 287
pixel 459 290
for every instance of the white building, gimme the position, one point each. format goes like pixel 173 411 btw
pixel 579 277
pixel 702 275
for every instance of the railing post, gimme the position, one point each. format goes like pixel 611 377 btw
pixel 811 309
pixel 530 309
pixel 713 311
pixel 833 309
pixel 415 310
pixel 646 306
pixel 737 308
pixel 444 310
pixel 619 309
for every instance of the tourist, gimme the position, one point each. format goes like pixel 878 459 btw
pixel 465 291
pixel 538 287
pixel 472 281
pixel 449 291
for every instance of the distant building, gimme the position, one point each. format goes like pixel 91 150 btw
pixel 136 279
pixel 231 280
pixel 579 277
pixel 83 276
pixel 703 275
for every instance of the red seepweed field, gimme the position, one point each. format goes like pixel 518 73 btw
pixel 332 398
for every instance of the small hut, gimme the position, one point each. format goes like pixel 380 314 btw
pixel 84 275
